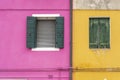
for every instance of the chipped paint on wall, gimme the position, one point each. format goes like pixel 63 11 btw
pixel 96 4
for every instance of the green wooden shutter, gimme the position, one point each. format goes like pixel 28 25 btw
pixel 31 32
pixel 59 32
pixel 93 33
pixel 107 40
pixel 104 33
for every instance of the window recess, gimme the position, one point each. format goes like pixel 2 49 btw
pixel 45 33
pixel 99 33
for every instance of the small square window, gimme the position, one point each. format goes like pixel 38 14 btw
pixel 99 33
pixel 45 32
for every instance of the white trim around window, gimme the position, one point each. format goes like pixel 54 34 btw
pixel 45 15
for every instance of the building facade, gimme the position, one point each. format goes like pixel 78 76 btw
pixel 95 40
pixel 41 40
pixel 28 28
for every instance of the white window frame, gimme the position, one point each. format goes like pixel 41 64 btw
pixel 44 48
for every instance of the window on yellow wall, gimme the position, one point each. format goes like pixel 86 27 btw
pixel 99 33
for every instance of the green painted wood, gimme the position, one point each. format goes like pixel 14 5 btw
pixel 93 33
pixel 59 32
pixel 31 32
pixel 99 33
pixel 104 33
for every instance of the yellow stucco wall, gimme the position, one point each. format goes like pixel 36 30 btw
pixel 83 57
pixel 96 76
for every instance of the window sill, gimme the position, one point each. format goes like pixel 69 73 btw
pixel 45 49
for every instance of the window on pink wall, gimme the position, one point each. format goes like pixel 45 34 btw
pixel 45 32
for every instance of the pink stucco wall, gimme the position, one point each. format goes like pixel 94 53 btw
pixel 13 52
pixel 34 4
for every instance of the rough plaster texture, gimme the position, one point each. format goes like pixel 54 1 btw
pixel 96 4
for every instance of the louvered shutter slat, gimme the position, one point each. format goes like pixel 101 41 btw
pixel 104 37
pixel 59 35
pixel 107 33
pixel 31 32
pixel 93 28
